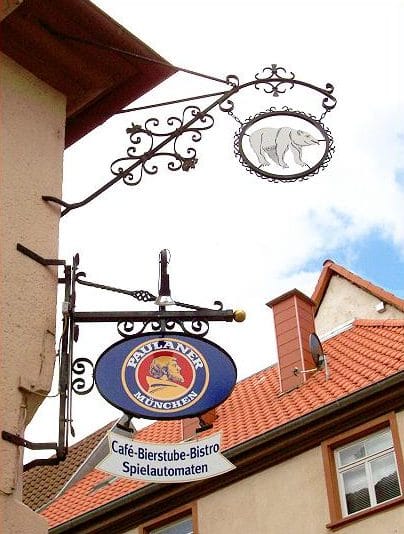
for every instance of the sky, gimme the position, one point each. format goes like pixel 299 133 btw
pixel 233 236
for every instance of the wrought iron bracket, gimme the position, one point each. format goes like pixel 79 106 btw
pixel 36 257
pixel 151 145
pixel 61 447
pixel 159 321
pixel 61 452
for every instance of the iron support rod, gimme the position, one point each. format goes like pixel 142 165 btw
pixel 130 54
pixel 140 316
pixel 169 103
pixel 64 371
pixel 22 442
pixel 36 257
pixel 68 207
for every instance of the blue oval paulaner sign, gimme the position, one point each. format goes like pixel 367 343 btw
pixel 170 377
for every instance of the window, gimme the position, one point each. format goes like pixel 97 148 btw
pixel 364 470
pixel 367 472
pixel 180 521
pixel 181 526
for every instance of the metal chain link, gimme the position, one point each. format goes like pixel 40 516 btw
pixel 235 117
pixel 324 114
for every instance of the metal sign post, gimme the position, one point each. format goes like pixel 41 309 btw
pixel 77 375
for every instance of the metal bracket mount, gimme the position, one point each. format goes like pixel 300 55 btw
pixel 21 442
pixel 36 257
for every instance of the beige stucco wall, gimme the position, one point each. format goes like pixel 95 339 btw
pixel 31 160
pixel 288 498
pixel 345 302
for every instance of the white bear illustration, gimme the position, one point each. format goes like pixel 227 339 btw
pixel 274 143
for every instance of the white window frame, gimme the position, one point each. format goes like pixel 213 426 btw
pixel 347 438
pixel 365 461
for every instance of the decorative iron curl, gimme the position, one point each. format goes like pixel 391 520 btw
pixel 329 101
pixel 279 81
pixel 227 106
pixel 233 80
pixel 79 385
pixel 148 140
pixel 218 304
pixel 128 329
pixel 196 327
pixel 275 83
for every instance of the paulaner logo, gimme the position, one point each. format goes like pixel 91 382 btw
pixel 165 375
pixel 171 377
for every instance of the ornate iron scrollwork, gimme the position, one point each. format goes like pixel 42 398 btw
pixel 147 141
pixel 82 385
pixel 196 327
pixel 278 83
pixel 77 374
pixel 171 142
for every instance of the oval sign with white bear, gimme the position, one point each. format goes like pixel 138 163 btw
pixel 284 145
pixel 166 377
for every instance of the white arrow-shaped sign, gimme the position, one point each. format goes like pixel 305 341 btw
pixel 168 462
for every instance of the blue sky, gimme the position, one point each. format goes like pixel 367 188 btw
pixel 373 257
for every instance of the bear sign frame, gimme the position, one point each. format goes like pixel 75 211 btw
pixel 283 145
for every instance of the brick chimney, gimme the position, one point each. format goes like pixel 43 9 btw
pixel 294 322
pixel 192 425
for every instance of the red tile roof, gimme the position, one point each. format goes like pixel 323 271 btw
pixel 367 353
pixel 330 269
pixel 42 483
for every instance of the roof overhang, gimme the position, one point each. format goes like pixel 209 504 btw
pixel 98 81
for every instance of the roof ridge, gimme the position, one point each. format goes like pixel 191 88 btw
pixel 378 322
pixel 330 268
pixel 104 428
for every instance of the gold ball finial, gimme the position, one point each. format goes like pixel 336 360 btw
pixel 239 316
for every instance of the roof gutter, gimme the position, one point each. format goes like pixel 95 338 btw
pixel 369 403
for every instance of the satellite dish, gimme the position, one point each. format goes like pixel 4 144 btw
pixel 316 350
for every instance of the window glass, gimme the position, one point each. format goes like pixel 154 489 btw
pixel 385 478
pixel 182 526
pixel 356 489
pixel 352 453
pixel 379 442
